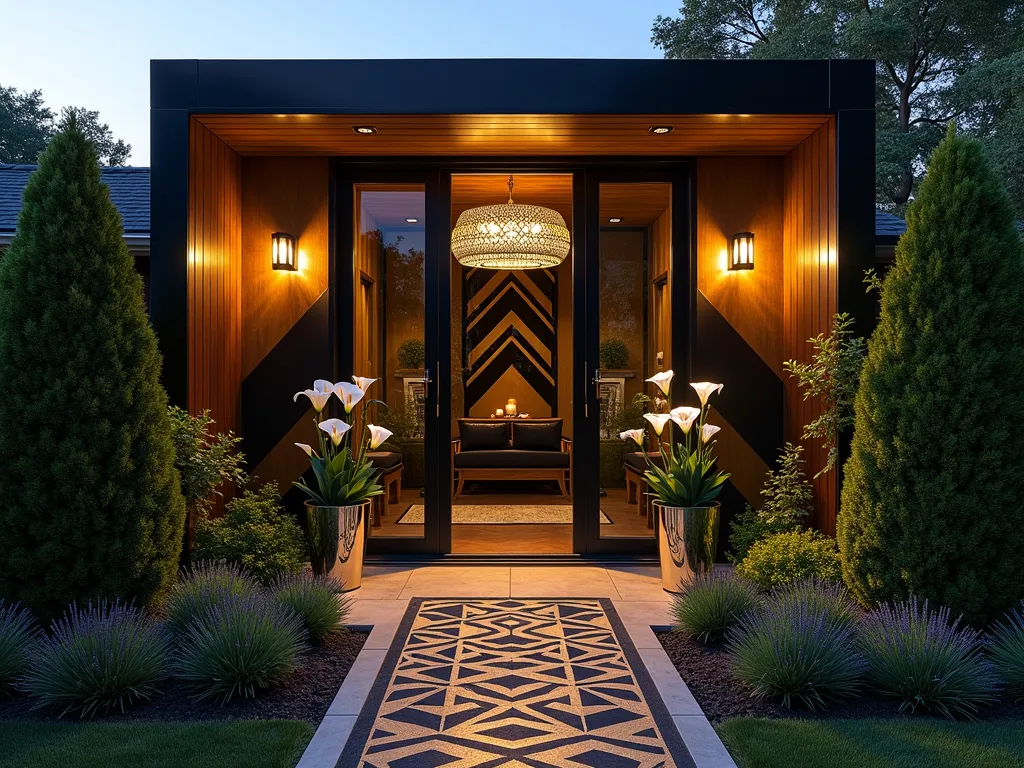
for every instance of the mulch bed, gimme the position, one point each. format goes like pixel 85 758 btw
pixel 707 674
pixel 306 695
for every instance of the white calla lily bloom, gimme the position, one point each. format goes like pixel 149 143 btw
pixel 336 428
pixel 323 385
pixel 706 389
pixel 685 416
pixel 308 450
pixel 662 381
pixel 636 435
pixel 658 421
pixel 378 436
pixel 708 432
pixel 363 382
pixel 349 394
pixel 317 397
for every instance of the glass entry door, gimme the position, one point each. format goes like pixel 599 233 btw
pixel 387 240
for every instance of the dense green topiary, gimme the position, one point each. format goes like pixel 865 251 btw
pixel 933 498
pixel 91 503
pixel 784 558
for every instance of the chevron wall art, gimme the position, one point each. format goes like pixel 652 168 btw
pixel 511 333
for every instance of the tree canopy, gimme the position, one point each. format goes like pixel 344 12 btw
pixel 937 60
pixel 27 125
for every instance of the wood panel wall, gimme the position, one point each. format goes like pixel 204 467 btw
pixel 281 194
pixel 214 278
pixel 659 263
pixel 811 290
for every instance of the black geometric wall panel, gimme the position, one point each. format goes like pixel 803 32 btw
pixel 510 322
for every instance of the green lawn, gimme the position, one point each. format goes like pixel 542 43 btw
pixel 759 743
pixel 239 744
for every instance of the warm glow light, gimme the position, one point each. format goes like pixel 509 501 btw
pixel 411 221
pixel 364 129
pixel 661 129
pixel 614 220
pixel 742 251
pixel 282 254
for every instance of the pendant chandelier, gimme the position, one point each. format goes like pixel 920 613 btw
pixel 510 236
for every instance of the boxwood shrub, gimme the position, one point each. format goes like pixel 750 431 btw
pixel 783 558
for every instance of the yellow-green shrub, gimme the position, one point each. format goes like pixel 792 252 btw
pixel 783 558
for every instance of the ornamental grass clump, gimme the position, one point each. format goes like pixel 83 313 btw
pixel 791 652
pixel 924 659
pixel 202 587
pixel 100 659
pixel 18 634
pixel 1006 650
pixel 240 646
pixel 711 604
pixel 829 597
pixel 316 600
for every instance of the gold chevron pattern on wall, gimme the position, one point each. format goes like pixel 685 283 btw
pixel 511 339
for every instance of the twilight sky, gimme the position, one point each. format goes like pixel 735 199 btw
pixel 96 53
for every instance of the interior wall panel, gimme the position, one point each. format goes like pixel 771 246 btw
pixel 811 291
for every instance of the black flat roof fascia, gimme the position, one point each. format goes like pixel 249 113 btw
pixel 512 86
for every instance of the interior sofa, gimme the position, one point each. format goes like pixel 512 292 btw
pixel 511 449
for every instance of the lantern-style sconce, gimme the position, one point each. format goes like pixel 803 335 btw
pixel 283 251
pixel 742 251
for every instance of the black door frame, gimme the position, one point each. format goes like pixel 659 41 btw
pixel 587 175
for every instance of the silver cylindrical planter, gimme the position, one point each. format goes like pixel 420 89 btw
pixel 337 541
pixel 687 540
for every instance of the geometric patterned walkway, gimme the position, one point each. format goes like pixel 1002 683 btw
pixel 513 682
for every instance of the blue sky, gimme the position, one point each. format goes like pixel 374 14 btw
pixel 96 53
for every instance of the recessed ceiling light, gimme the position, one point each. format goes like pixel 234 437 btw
pixel 412 221
pixel 661 129
pixel 614 220
pixel 364 129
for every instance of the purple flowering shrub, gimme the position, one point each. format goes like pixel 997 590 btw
pixel 711 604
pixel 18 633
pixel 820 596
pixel 1006 650
pixel 316 600
pixel 95 660
pixel 240 646
pixel 789 650
pixel 924 659
pixel 200 588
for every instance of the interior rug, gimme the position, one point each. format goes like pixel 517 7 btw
pixel 501 514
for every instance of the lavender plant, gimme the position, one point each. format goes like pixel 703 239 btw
pixel 820 596
pixel 1006 650
pixel 711 604
pixel 316 600
pixel 789 651
pixel 18 634
pixel 105 657
pixel 201 587
pixel 240 646
pixel 926 659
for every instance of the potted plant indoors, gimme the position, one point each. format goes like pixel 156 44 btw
pixel 685 484
pixel 338 508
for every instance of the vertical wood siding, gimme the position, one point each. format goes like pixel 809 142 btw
pixel 214 278
pixel 811 290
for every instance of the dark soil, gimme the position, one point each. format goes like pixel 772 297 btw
pixel 707 674
pixel 306 695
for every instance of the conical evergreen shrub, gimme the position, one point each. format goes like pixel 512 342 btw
pixel 933 496
pixel 90 505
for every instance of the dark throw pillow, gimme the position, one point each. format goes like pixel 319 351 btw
pixel 545 436
pixel 483 435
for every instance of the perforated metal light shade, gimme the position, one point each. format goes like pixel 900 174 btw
pixel 510 236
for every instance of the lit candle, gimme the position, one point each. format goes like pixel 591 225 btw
pixel 499 413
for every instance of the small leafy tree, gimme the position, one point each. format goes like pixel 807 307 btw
pixel 831 376
pixel 91 504
pixel 932 496
pixel 787 502
pixel 205 461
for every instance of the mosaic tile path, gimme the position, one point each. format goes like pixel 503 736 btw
pixel 513 682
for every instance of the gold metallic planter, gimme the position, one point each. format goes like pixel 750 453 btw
pixel 337 541
pixel 687 540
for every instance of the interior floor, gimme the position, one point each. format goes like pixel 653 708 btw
pixel 507 539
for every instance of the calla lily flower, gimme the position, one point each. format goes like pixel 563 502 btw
pixel 317 397
pixel 306 448
pixel 636 435
pixel 378 436
pixel 658 421
pixel 684 416
pixel 708 432
pixel 706 389
pixel 323 385
pixel 662 381
pixel 362 382
pixel 349 394
pixel 336 428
